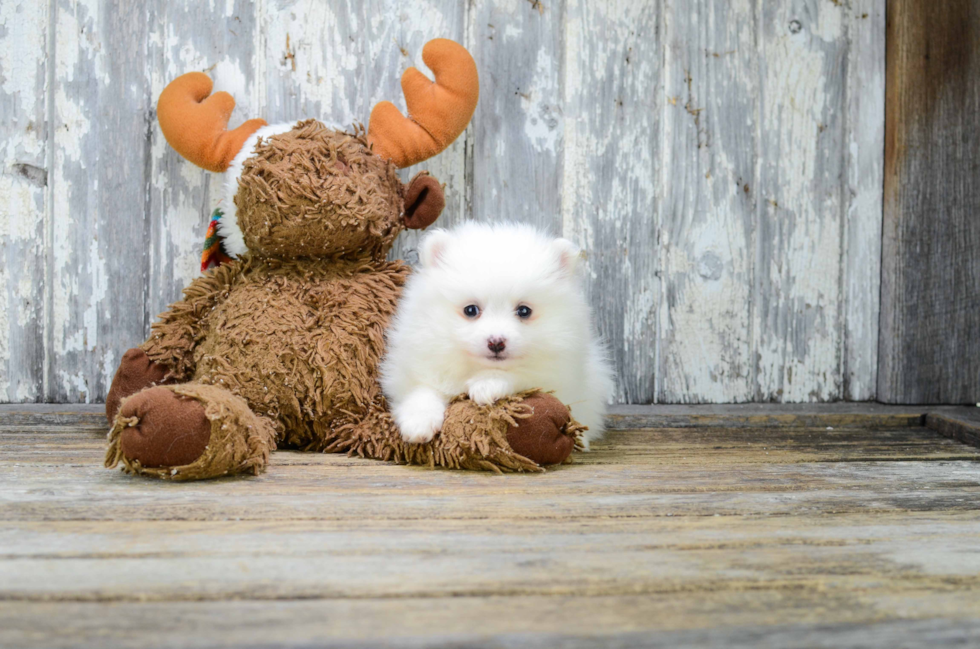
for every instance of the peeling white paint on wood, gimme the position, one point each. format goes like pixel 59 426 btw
pixel 517 128
pixel 796 301
pixel 720 162
pixel 865 131
pixel 23 198
pixel 710 152
pixel 612 113
pixel 98 239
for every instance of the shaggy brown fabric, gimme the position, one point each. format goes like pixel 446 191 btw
pixel 472 437
pixel 240 442
pixel 136 372
pixel 282 346
pixel 544 437
pixel 314 192
pixel 299 340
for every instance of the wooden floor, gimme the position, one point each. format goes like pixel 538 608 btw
pixel 822 528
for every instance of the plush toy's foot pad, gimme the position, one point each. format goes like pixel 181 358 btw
pixel 136 372
pixel 189 432
pixel 545 437
pixel 167 430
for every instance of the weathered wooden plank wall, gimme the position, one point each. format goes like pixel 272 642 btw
pixel 930 291
pixel 721 162
pixel 24 156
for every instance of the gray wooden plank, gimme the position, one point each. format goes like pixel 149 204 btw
pixel 711 188
pixel 664 455
pixel 962 426
pixel 796 301
pixel 929 351
pixel 174 539
pixel 515 168
pixel 632 455
pixel 772 620
pixel 24 157
pixel 763 415
pixel 868 415
pixel 182 37
pixel 204 561
pixel 359 552
pixel 764 537
pixel 865 140
pixel 98 234
pixel 613 99
pixel 762 481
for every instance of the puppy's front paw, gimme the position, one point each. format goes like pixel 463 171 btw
pixel 487 391
pixel 419 422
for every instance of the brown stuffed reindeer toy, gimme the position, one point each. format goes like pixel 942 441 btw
pixel 280 345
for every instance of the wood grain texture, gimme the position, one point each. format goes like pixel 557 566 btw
pixel 965 429
pixel 929 350
pixel 24 152
pixel 668 621
pixel 863 195
pixel 698 536
pixel 720 162
pixel 612 106
pixel 98 229
pixel 803 56
pixel 637 474
pixel 710 153
pixel 517 149
pixel 745 415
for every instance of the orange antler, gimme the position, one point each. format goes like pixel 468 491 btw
pixel 438 112
pixel 195 124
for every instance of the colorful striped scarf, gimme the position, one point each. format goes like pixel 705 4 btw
pixel 214 252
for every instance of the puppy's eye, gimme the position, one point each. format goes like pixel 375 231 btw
pixel 471 310
pixel 523 312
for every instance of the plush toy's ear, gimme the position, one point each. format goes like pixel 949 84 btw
pixel 567 255
pixel 424 200
pixel 433 247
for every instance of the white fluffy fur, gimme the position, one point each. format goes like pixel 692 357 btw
pixel 228 227
pixel 435 352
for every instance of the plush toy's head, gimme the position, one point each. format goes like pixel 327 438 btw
pixel 305 189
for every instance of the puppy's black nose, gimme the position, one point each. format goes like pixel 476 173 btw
pixel 496 345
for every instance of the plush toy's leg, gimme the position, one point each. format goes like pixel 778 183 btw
pixel 519 433
pixel 548 435
pixel 472 437
pixel 189 432
pixel 522 432
pixel 136 372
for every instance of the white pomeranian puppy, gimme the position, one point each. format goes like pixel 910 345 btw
pixel 493 310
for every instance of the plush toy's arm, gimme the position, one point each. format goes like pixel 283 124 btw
pixel 521 432
pixel 178 331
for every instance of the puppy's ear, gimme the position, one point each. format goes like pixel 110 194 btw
pixel 567 254
pixel 424 200
pixel 433 248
